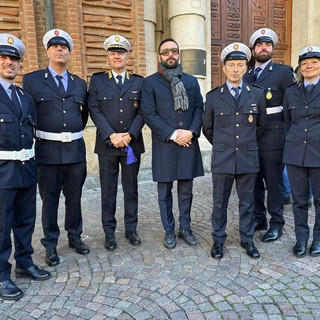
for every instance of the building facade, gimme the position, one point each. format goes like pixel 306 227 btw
pixel 201 27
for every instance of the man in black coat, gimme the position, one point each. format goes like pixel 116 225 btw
pixel 234 118
pixel 274 78
pixel 17 172
pixel 172 107
pixel 62 114
pixel 114 103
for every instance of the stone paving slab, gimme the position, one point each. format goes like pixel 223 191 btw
pixel 152 282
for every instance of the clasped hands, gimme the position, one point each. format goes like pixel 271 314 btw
pixel 184 138
pixel 120 140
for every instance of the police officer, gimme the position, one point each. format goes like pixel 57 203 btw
pixel 274 78
pixel 234 117
pixel 62 114
pixel 114 103
pixel 17 172
pixel 302 148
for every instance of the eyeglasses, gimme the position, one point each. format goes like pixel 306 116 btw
pixel 166 52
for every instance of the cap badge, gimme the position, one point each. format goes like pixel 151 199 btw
pixel 263 31
pixel 56 32
pixel 310 49
pixel 10 40
pixel 117 39
pixel 236 46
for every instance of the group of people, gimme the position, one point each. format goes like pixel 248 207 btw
pixel 244 120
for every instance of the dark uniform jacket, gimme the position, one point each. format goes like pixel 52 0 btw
pixel 115 111
pixel 232 127
pixel 302 118
pixel 274 79
pixel 16 134
pixel 170 161
pixel 56 113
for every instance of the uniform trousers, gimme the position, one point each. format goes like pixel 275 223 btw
pixel 184 192
pixel 300 177
pixel 17 213
pixel 109 174
pixel 52 179
pixel 271 169
pixel 222 186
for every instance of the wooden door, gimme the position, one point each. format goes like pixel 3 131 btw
pixel 236 20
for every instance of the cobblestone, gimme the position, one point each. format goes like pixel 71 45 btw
pixel 151 282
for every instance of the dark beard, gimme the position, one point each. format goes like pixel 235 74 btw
pixel 263 58
pixel 170 66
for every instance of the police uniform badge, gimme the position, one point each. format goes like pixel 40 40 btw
pixel 269 94
pixel 250 118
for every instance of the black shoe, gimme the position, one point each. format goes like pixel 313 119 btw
pixel 287 200
pixel 217 250
pixel 187 236
pixel 110 243
pixel 52 258
pixel 34 273
pixel 80 247
pixel 251 250
pixel 133 238
pixel 9 291
pixel 260 226
pixel 170 240
pixel 271 235
pixel 315 248
pixel 300 249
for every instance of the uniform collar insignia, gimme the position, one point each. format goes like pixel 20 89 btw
pixel 71 77
pixel 127 75
pixel 110 74
pixel 248 88
pixel 271 67
pixel 221 91
pixel 46 75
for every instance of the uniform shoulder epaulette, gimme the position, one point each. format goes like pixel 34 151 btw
pixel 100 72
pixel 256 86
pixel 291 84
pixel 136 75
pixel 213 89
pixel 32 72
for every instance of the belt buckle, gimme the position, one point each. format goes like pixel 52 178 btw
pixel 24 155
pixel 66 137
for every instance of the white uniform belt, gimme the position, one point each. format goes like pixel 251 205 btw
pixel 273 110
pixel 22 155
pixel 63 136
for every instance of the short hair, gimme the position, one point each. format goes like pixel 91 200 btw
pixel 167 40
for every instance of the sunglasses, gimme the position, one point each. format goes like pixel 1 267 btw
pixel 166 52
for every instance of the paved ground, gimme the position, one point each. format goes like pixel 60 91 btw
pixel 151 282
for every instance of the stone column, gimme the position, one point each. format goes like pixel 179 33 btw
pixel 305 19
pixel 149 26
pixel 188 27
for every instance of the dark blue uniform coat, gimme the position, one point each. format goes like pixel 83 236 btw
pixel 17 183
pixel 302 155
pixel 171 162
pixel 233 128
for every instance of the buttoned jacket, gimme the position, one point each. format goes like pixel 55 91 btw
pixel 57 113
pixel 115 110
pixel 302 116
pixel 169 160
pixel 233 127
pixel 16 133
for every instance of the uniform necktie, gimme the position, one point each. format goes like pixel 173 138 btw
pixel 119 77
pixel 15 100
pixel 237 92
pixel 256 73
pixel 61 86
pixel 309 89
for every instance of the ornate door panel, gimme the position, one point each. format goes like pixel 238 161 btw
pixel 236 20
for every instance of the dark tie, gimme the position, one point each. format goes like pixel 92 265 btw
pixel 61 86
pixel 309 89
pixel 15 100
pixel 237 92
pixel 119 77
pixel 256 73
